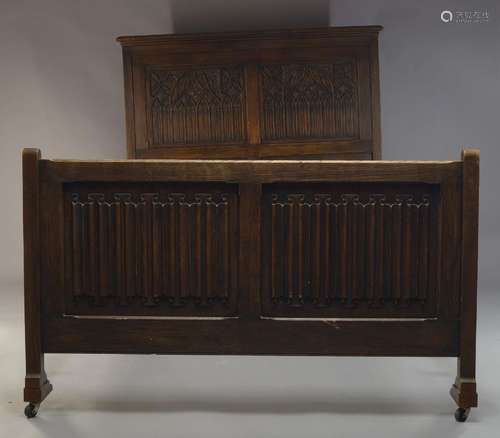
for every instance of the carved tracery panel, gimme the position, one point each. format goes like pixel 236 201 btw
pixel 196 106
pixel 309 101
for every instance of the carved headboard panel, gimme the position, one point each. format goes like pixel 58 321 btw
pixel 306 93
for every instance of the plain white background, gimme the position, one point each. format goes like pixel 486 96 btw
pixel 61 90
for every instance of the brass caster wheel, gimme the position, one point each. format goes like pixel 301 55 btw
pixel 461 414
pixel 31 410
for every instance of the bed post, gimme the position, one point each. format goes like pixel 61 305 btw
pixel 37 387
pixel 464 389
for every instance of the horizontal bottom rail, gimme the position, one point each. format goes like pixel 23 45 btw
pixel 252 337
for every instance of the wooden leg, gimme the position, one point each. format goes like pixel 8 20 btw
pixel 464 393
pixel 463 390
pixel 36 387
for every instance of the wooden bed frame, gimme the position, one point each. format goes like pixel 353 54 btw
pixel 204 253
pixel 354 258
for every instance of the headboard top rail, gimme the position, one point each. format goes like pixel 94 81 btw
pixel 261 35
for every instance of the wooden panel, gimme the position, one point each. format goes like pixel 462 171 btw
pixel 252 171
pixel 449 241
pixel 253 95
pixel 167 257
pixel 193 106
pixel 270 38
pixel 375 101
pixel 236 336
pixel 340 150
pixel 309 100
pixel 151 249
pixel 135 292
pixel 364 250
pixel 249 250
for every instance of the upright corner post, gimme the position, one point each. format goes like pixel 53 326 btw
pixel 463 390
pixel 37 387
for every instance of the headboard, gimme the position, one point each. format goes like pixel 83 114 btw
pixel 304 93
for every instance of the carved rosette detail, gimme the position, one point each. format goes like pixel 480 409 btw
pixel 196 106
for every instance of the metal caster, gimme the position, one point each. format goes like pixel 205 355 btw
pixel 31 410
pixel 461 414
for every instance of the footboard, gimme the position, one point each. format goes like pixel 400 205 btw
pixel 251 257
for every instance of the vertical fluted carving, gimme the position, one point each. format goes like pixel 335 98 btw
pixel 396 251
pixel 276 269
pixel 309 100
pixel 158 253
pixel 407 214
pixel 196 106
pixel 370 251
pixel 326 285
pixel 349 250
pixel 209 248
pixel 424 216
pixel 223 222
pixel 130 241
pixel 139 247
pixel 76 209
pixel 314 285
pixel 342 253
pixel 105 283
pixel 93 255
pixel 197 250
pixel 120 250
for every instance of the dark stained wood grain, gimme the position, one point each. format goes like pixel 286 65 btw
pixel 252 171
pixel 246 95
pixel 464 389
pixel 375 101
pixel 362 258
pixel 250 249
pixel 128 236
pixel 264 38
pixel 37 386
pixel 329 221
pixel 342 150
pixel 129 100
pixel 449 247
pixel 262 337
pixel 252 112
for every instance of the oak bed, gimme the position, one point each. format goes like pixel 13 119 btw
pixel 236 253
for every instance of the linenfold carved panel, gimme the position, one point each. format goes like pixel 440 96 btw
pixel 306 101
pixel 359 253
pixel 196 106
pixel 151 250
